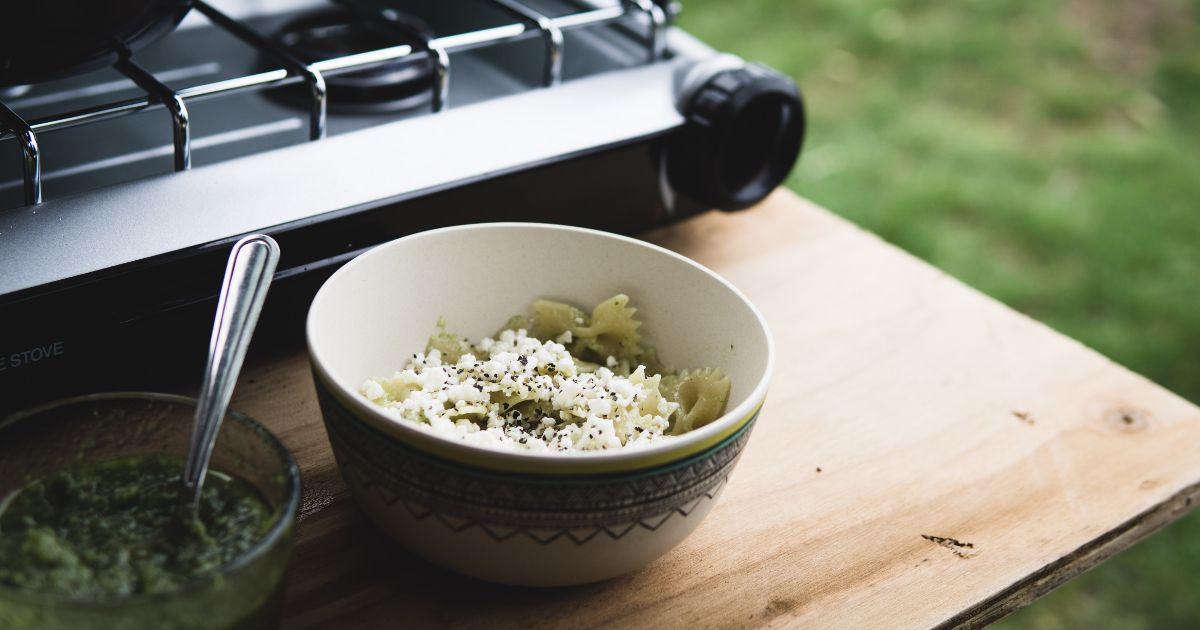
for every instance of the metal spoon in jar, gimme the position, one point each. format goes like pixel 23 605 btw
pixel 247 277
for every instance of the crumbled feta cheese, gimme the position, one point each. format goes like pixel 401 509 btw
pixel 518 393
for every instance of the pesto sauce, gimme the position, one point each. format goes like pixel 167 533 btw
pixel 116 529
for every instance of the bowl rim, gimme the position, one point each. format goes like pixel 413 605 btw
pixel 284 517
pixel 690 443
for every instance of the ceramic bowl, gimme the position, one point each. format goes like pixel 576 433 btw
pixel 517 518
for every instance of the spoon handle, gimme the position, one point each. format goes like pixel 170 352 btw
pixel 247 277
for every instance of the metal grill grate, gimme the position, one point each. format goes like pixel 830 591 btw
pixel 292 71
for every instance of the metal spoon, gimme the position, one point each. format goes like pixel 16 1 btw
pixel 247 277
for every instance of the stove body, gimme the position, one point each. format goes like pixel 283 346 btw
pixel 113 240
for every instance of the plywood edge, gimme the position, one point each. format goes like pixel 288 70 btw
pixel 1085 557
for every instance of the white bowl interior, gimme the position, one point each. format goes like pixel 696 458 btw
pixel 383 306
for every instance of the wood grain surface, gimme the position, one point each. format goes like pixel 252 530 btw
pixel 926 457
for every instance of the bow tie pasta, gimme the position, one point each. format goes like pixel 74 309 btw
pixel 557 379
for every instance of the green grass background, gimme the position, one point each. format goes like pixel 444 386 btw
pixel 1044 151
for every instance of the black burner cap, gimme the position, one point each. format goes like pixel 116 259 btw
pixel 398 85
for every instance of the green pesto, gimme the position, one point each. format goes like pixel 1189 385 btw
pixel 116 529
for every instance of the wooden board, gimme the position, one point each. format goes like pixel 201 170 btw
pixel 926 457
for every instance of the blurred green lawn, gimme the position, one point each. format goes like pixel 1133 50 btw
pixel 1046 152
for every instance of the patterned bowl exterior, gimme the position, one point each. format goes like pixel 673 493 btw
pixel 525 529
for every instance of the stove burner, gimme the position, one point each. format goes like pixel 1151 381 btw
pixel 402 84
